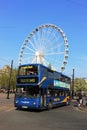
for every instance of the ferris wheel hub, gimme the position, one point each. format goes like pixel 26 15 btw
pixel 38 58
pixel 39 54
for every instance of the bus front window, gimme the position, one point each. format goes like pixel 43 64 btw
pixel 28 70
pixel 28 92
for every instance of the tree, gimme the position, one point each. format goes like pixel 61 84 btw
pixel 4 80
pixel 5 77
pixel 13 79
pixel 80 84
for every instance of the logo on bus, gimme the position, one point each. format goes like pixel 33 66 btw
pixel 56 99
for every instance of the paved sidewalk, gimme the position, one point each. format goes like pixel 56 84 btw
pixel 4 100
pixel 74 103
pixel 83 108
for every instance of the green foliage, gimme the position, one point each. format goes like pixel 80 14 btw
pixel 13 79
pixel 4 80
pixel 5 77
pixel 80 84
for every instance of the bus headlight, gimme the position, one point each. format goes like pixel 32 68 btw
pixel 16 101
pixel 34 103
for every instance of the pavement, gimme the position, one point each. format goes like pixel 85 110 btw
pixel 75 103
pixel 83 108
pixel 4 100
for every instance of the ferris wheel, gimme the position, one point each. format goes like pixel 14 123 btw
pixel 46 44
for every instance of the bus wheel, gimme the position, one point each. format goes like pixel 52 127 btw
pixel 50 105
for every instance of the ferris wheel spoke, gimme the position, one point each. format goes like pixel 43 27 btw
pixel 30 49
pixel 38 38
pixel 43 36
pixel 27 53
pixel 35 41
pixel 52 35
pixel 41 41
pixel 58 53
pixel 32 44
pixel 46 62
pixel 27 59
pixel 52 60
pixel 48 32
pixel 53 63
pixel 53 48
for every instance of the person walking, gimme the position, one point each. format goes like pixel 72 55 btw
pixel 84 101
pixel 80 100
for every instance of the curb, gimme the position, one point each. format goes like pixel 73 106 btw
pixel 74 103
pixel 83 109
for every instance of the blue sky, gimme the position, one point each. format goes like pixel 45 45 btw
pixel 19 17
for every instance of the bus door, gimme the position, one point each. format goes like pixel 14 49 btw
pixel 43 97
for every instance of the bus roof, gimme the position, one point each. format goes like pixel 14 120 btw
pixel 38 64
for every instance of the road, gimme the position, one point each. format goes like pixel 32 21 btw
pixel 61 118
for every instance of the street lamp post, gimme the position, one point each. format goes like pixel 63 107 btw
pixel 10 79
pixel 73 84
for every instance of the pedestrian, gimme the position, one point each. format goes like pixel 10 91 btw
pixel 84 101
pixel 80 100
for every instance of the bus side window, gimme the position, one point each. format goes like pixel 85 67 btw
pixel 62 93
pixel 58 94
pixel 55 93
pixel 48 93
pixel 67 93
pixel 28 72
pixel 41 91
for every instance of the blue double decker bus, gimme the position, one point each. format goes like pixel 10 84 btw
pixel 39 87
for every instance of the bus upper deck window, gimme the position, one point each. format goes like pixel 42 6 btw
pixel 31 73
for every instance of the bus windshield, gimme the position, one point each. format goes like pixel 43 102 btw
pixel 28 70
pixel 27 91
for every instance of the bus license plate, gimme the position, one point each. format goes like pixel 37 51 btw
pixel 24 106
